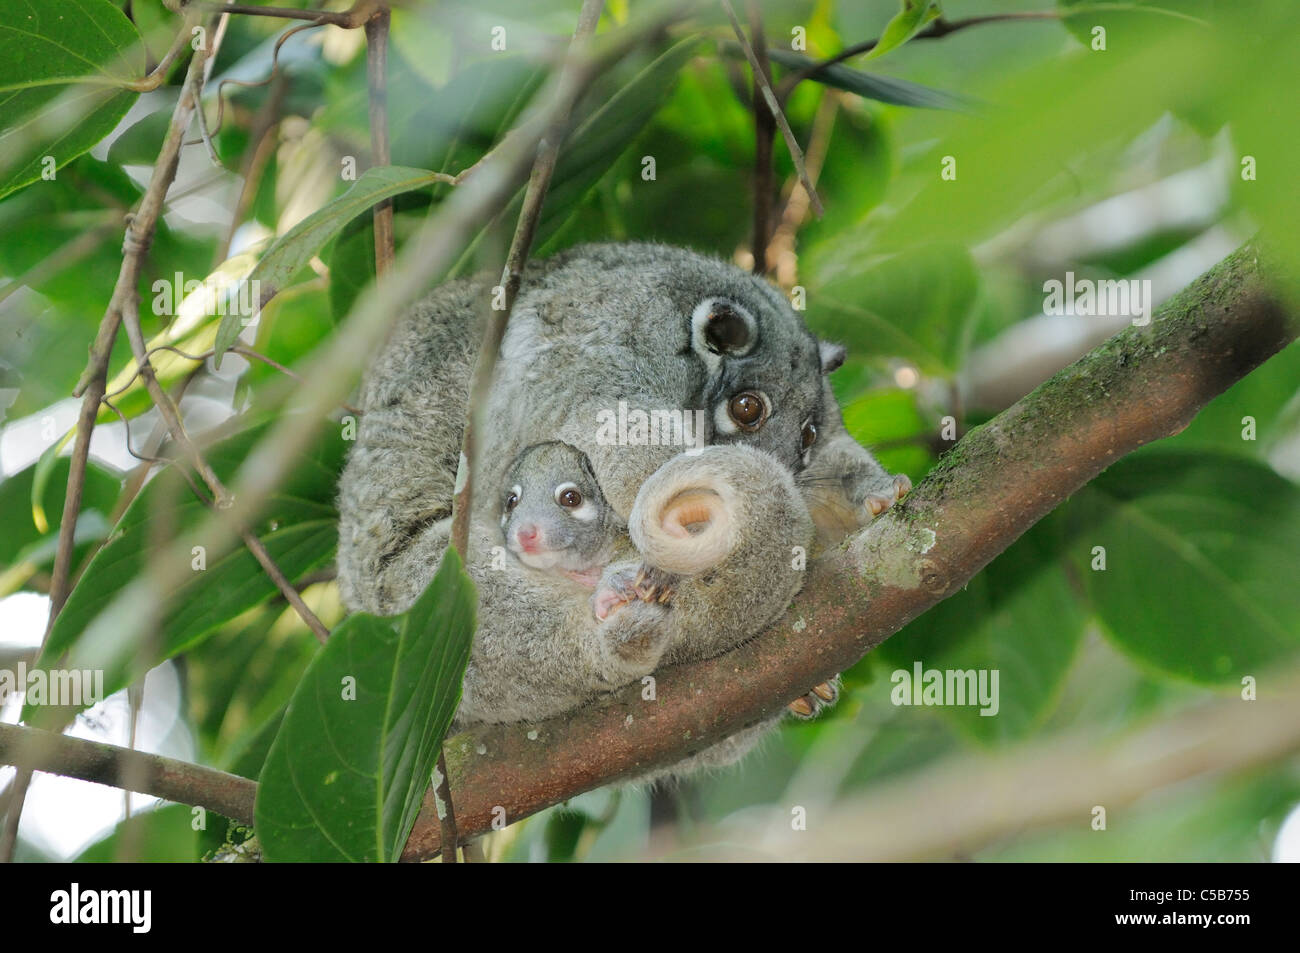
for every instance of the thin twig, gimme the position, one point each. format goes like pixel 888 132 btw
pixel 17 796
pixel 179 43
pixel 221 496
pixel 938 28
pixel 263 134
pixel 796 154
pixel 252 83
pixel 91 387
pixel 781 246
pixel 349 19
pixel 764 133
pixel 380 149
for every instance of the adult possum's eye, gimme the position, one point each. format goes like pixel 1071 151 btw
pixel 568 496
pixel 748 410
pixel 807 436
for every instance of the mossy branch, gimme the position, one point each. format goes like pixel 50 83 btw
pixel 1144 384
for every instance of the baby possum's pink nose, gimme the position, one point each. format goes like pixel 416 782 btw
pixel 529 538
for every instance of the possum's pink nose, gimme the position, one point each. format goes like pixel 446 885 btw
pixel 529 538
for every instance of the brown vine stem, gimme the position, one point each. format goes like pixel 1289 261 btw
pixel 221 496
pixel 539 180
pixel 91 386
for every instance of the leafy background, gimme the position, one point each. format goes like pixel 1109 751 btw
pixel 1117 163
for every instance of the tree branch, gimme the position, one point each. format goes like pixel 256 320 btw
pixel 167 778
pixel 1142 385
pixel 929 814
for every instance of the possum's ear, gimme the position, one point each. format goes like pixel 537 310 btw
pixel 832 355
pixel 722 328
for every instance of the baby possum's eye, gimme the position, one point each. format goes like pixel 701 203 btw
pixel 748 410
pixel 568 496
pixel 512 499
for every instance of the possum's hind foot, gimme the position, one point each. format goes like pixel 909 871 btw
pixel 810 705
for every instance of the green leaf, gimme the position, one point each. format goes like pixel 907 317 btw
pixel 25 546
pixel 1019 618
pixel 914 16
pixel 62 67
pixel 918 304
pixel 294 249
pixel 1200 556
pixel 163 835
pixel 298 529
pixel 348 770
pixel 604 135
pixel 884 89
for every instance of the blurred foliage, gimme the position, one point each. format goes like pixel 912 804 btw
pixel 918 272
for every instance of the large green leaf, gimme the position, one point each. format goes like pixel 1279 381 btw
pixel 292 250
pixel 298 530
pixel 1201 551
pixel 62 67
pixel 1019 618
pixel 347 772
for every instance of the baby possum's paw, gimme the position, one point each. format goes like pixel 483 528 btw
pixel 822 696
pixel 633 584
pixel 877 503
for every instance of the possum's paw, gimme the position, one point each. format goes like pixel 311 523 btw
pixel 877 503
pixel 635 637
pixel 654 585
pixel 822 696
pixel 641 583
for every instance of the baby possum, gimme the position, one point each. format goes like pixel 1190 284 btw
pixel 555 518
pixel 554 515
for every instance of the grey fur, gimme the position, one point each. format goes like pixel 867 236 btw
pixel 595 326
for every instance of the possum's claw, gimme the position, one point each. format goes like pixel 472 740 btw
pixel 877 503
pixel 654 585
pixel 809 705
pixel 643 584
